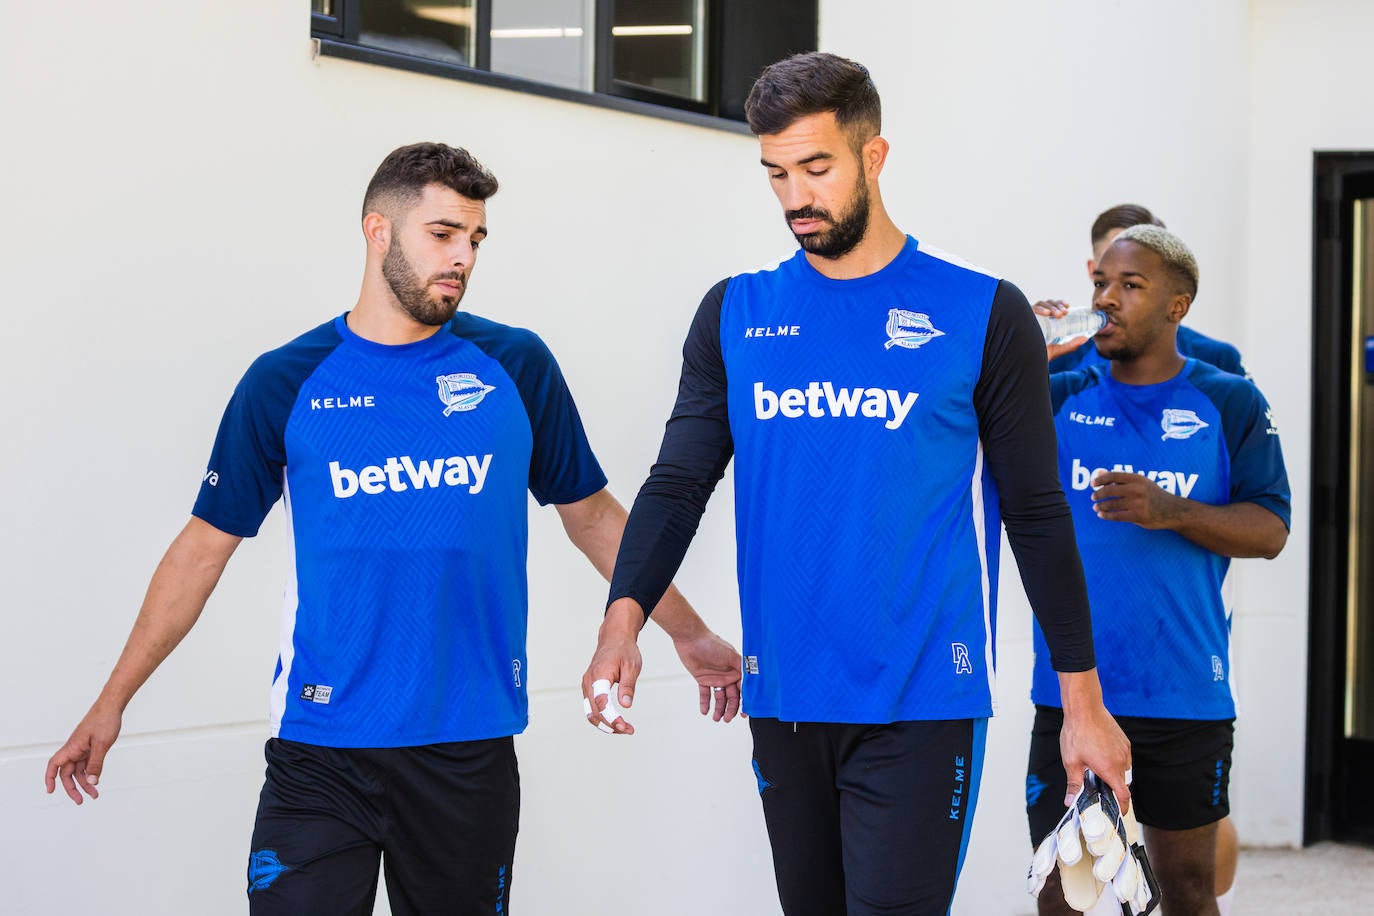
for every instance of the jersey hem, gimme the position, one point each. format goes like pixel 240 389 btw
pixel 1137 713
pixel 837 717
pixel 320 739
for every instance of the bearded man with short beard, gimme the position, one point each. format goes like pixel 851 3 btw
pixel 882 403
pixel 404 437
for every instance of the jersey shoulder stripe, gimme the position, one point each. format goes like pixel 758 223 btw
pixel 287 367
pixel 250 446
pixel 954 260
pixel 773 265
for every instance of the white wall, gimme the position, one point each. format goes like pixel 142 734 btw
pixel 1013 125
pixel 1310 91
pixel 182 184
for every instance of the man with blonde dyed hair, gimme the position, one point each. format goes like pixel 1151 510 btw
pixel 1171 467
pixel 1106 227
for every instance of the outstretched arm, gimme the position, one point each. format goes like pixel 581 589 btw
pixel 595 526
pixel 176 595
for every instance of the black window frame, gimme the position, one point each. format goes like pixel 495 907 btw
pixel 336 35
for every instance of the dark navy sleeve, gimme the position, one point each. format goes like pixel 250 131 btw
pixel 1252 440
pixel 696 448
pixel 1064 385
pixel 1070 360
pixel 244 477
pixel 1211 351
pixel 1017 429
pixel 563 468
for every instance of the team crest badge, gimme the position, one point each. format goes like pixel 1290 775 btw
pixel 461 391
pixel 909 329
pixel 1180 424
pixel 263 868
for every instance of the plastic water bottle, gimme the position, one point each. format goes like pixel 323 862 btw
pixel 1079 322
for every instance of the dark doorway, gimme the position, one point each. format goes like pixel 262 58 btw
pixel 1340 729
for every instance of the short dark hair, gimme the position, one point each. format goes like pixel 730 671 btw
pixel 813 83
pixel 1123 216
pixel 405 172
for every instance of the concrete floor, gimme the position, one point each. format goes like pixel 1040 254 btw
pixel 1327 879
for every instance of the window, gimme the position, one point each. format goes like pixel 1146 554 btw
pixel 689 59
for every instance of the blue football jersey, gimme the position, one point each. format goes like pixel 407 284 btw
pixel 1160 622
pixel 404 472
pixel 868 544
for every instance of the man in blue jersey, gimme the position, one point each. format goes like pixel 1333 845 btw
pixel 405 436
pixel 1109 224
pixel 1171 467
pixel 885 408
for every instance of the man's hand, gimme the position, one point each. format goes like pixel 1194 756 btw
pixel 717 669
pixel 1240 529
pixel 176 595
pixel 1057 308
pixel 617 661
pixel 1091 739
pixel 1124 496
pixel 79 762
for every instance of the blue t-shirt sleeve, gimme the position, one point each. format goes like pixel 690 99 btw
pixel 1059 391
pixel 1257 470
pixel 563 468
pixel 1211 351
pixel 1064 385
pixel 1071 360
pixel 244 477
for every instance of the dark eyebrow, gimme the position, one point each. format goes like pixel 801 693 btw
pixel 455 224
pixel 814 157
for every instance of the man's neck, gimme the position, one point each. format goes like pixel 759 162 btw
pixel 880 245
pixel 378 317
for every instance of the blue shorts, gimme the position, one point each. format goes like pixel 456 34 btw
pixel 441 819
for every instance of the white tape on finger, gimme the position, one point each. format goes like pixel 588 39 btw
pixel 612 710
pixel 587 711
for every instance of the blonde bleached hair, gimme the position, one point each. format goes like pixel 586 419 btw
pixel 1178 257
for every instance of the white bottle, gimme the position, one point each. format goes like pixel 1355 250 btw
pixel 1080 322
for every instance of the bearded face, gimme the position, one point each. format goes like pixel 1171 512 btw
pixel 844 233
pixel 415 296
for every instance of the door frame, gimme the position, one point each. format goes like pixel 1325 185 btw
pixel 1338 179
